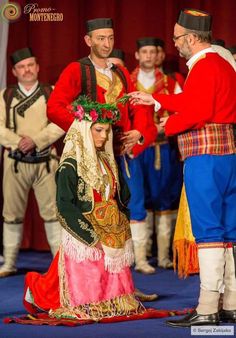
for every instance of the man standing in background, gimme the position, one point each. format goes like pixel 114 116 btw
pixel 158 165
pixel 27 135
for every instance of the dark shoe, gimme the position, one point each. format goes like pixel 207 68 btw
pixel 227 316
pixel 195 319
pixel 143 297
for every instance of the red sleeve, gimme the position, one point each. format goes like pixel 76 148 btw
pixel 180 79
pixel 149 134
pixel 195 106
pixel 67 88
pixel 141 119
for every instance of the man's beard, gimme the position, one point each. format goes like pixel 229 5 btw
pixel 185 53
pixel 101 55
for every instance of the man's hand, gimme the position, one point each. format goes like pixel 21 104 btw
pixel 163 121
pixel 141 98
pixel 129 139
pixel 160 129
pixel 26 144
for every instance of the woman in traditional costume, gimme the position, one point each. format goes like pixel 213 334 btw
pixel 90 276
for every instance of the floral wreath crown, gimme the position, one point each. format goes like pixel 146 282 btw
pixel 83 108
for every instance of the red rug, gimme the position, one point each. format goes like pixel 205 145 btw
pixel 44 319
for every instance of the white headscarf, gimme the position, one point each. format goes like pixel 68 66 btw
pixel 79 145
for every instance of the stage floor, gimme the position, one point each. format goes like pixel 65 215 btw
pixel 174 293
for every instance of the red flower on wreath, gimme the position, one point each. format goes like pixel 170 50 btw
pixel 109 114
pixel 94 115
pixel 104 113
pixel 79 113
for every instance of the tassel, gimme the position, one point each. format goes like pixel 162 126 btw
pixel 126 167
pixel 185 258
pixel 157 163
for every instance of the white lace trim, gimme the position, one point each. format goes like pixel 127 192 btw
pixel 121 259
pixel 77 250
pixel 114 259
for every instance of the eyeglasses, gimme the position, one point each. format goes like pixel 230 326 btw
pixel 175 38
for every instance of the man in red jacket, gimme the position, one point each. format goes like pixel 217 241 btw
pixel 103 82
pixel 203 117
pixel 158 169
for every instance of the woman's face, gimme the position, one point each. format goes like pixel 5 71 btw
pixel 100 132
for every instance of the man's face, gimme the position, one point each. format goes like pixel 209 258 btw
pixel 147 57
pixel 181 42
pixel 26 71
pixel 101 42
pixel 160 56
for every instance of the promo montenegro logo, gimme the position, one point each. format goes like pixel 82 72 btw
pixel 12 12
pixel 37 13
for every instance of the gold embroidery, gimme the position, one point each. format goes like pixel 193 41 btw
pixel 84 191
pixel 149 90
pixel 64 224
pixel 63 287
pixel 85 227
pixel 87 167
pixel 113 88
pixel 119 306
pixel 111 225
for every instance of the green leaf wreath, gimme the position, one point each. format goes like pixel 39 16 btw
pixel 83 108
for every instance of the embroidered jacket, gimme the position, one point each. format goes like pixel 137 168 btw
pixel 68 88
pixel 164 84
pixel 75 200
pixel 27 116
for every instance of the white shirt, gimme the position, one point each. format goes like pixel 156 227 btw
pixel 107 186
pixel 194 58
pixel 147 79
pixel 223 52
pixel 105 71
pixel 30 91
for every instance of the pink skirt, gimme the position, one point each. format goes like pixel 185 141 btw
pixel 81 290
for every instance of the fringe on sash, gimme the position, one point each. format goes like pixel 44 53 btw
pixel 185 257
